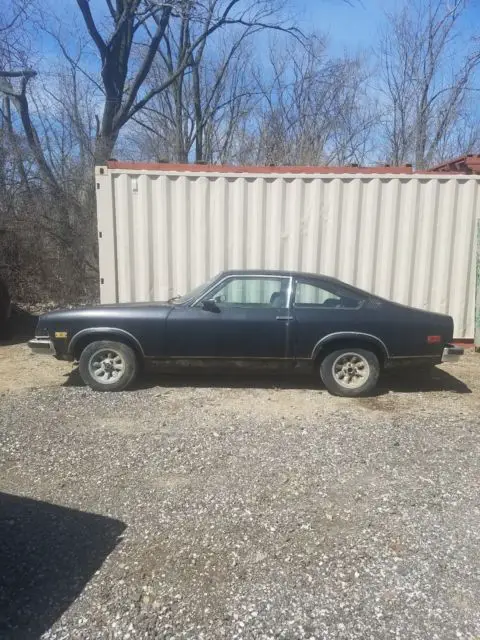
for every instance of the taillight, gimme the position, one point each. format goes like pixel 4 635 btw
pixel 434 339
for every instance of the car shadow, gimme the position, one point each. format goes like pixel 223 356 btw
pixel 19 328
pixel 411 380
pixel 400 381
pixel 48 553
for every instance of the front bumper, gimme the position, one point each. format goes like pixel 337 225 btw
pixel 42 345
pixel 452 353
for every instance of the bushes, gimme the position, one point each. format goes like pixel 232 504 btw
pixel 48 252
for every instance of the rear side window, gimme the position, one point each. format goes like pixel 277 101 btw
pixel 312 295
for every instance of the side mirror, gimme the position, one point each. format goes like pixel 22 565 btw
pixel 210 305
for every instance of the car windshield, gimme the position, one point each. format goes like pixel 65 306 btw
pixel 194 293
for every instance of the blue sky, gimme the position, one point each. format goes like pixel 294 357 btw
pixel 356 26
pixel 348 26
pixel 351 26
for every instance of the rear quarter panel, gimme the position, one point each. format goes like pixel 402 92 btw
pixel 406 330
pixel 403 330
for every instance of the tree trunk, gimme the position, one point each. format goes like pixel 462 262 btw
pixel 197 104
pixel 104 146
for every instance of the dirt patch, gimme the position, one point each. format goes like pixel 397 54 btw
pixel 21 369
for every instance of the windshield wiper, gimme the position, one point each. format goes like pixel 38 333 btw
pixel 170 300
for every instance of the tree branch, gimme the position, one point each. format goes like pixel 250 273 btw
pixel 12 22
pixel 84 7
pixel 74 63
pixel 25 73
pixel 123 115
pixel 111 9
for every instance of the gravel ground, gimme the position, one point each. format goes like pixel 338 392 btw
pixel 260 508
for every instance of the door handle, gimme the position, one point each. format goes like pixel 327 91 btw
pixel 284 318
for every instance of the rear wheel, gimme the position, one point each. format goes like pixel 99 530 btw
pixel 350 372
pixel 108 366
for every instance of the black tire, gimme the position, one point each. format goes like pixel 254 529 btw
pixel 360 360
pixel 119 371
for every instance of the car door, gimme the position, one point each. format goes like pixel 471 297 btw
pixel 242 317
pixel 321 308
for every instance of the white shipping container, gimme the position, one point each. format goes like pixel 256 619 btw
pixel 407 237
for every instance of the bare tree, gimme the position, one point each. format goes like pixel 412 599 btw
pixel 298 107
pixel 46 165
pixel 314 109
pixel 51 183
pixel 128 45
pixel 14 44
pixel 426 81
pixel 142 26
pixel 197 116
pixel 13 38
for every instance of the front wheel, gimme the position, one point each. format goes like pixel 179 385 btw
pixel 108 366
pixel 350 372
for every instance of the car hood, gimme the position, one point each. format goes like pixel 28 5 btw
pixel 129 305
pixel 105 311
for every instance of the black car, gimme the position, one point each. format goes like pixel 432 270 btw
pixel 345 335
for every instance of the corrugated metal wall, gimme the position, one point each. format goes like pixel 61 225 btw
pixel 407 238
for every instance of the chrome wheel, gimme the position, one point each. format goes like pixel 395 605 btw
pixel 106 366
pixel 351 370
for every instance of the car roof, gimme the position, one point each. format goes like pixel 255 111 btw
pixel 298 274
pixel 279 272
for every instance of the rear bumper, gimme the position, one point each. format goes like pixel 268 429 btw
pixel 452 353
pixel 42 346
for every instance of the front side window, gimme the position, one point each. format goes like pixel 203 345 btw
pixel 252 292
pixel 325 296
pixel 194 293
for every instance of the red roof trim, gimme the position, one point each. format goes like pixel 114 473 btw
pixel 217 168
pixel 462 164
